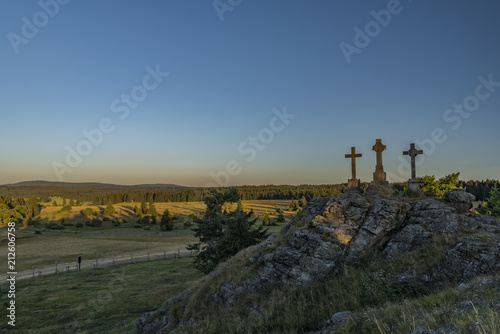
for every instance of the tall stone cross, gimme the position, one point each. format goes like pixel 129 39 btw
pixel 379 174
pixel 353 182
pixel 413 152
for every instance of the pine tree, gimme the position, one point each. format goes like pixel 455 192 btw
pixel 302 202
pixel 144 207
pixel 266 220
pixel 281 217
pixel 223 235
pixel 71 202
pixel 138 212
pixel 239 206
pixel 492 208
pixel 294 206
pixel 166 222
pixel 153 212
pixel 110 209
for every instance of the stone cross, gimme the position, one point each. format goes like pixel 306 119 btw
pixel 353 182
pixel 413 153
pixel 379 176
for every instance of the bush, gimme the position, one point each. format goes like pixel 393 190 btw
pixel 88 212
pixel 79 225
pixel 66 208
pixel 266 220
pixel 187 224
pixel 137 226
pixel 54 226
pixel 38 232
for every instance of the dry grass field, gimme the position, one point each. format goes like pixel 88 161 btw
pixel 180 209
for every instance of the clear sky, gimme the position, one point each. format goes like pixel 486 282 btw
pixel 252 92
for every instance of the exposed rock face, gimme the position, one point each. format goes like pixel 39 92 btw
pixel 460 199
pixel 333 232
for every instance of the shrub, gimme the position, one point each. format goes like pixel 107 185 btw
pixel 137 226
pixel 88 212
pixel 66 208
pixel 54 226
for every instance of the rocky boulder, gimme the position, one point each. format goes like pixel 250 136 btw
pixel 333 232
pixel 460 199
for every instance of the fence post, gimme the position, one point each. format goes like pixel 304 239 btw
pixel 33 268
pixel 56 269
pixel 114 262
pixel 165 253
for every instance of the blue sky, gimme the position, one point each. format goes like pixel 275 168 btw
pixel 229 78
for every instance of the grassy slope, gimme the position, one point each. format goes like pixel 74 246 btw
pixel 97 301
pixel 370 290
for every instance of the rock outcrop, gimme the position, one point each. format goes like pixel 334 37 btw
pixel 338 231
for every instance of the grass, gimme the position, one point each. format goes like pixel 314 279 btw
pixel 180 209
pixel 97 301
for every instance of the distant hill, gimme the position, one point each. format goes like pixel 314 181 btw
pixel 40 183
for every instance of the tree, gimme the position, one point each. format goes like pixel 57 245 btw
pixel 492 208
pixel 302 202
pixel 222 235
pixel 54 204
pixel 266 220
pixel 281 217
pixel 32 204
pixel 153 212
pixel 166 222
pixel 88 212
pixel 294 206
pixel 71 202
pixel 64 201
pixel 138 213
pixel 437 188
pixel 110 209
pixel 144 207
pixel 239 206
pixel 146 220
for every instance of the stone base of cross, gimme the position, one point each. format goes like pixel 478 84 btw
pixel 353 185
pixel 379 177
pixel 414 185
